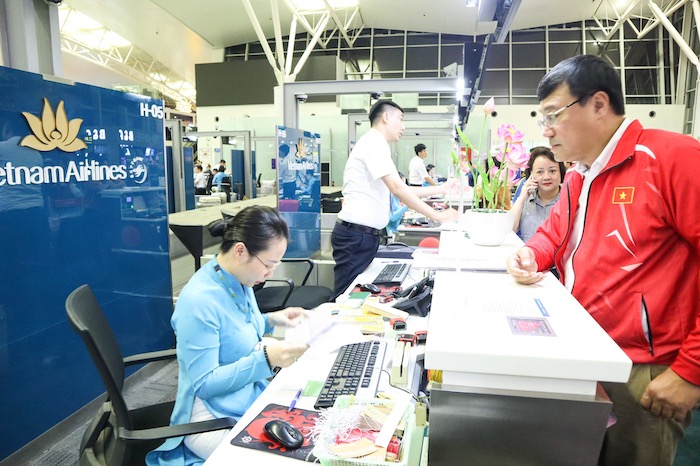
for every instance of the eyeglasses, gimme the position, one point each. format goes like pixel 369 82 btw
pixel 270 268
pixel 550 119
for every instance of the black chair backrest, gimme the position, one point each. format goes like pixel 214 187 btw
pixel 87 319
pixel 210 179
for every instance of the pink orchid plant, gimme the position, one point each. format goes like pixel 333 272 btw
pixel 501 169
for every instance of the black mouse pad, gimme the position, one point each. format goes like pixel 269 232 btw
pixel 253 436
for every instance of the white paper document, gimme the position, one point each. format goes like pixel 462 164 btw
pixel 309 328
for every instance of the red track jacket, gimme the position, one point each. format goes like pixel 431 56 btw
pixel 637 263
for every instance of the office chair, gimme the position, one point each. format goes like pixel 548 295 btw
pixel 117 435
pixel 226 187
pixel 277 297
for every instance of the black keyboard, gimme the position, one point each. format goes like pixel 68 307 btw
pixel 356 371
pixel 392 274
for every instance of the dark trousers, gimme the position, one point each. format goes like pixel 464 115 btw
pixel 289 190
pixel 353 251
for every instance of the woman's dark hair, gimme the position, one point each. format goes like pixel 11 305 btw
pixel 541 151
pixel 257 227
pixel 381 106
pixel 585 75
pixel 429 167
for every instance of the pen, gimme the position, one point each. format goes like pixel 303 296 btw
pixel 294 401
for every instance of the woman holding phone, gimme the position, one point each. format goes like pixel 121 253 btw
pixel 544 176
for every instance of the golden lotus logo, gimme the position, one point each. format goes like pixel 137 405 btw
pixel 53 131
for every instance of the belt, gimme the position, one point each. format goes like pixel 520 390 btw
pixel 362 228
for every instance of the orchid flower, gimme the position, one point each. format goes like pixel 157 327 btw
pixel 498 169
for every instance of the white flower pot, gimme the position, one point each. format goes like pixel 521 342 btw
pixel 487 228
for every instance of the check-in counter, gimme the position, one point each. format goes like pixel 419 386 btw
pixel 189 226
pixel 521 366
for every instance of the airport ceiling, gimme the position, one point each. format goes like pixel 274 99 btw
pixel 181 33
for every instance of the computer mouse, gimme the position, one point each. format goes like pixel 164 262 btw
pixel 284 433
pixel 371 287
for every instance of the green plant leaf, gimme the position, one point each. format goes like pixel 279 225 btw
pixel 464 138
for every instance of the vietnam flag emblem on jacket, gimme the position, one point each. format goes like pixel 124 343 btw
pixel 623 195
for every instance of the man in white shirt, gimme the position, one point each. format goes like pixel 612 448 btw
pixel 369 179
pixel 417 173
pixel 200 180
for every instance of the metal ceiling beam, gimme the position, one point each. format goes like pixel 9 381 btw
pixel 131 62
pixel 356 119
pixel 293 93
pixel 128 65
pixel 263 40
pixel 317 27
pixel 610 20
pixel 673 32
pixel 620 21
pixel 505 15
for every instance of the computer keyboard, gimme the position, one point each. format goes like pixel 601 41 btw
pixel 392 274
pixel 356 371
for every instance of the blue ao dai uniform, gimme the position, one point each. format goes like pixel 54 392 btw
pixel 218 327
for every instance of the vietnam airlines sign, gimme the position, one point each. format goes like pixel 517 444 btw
pixel 54 131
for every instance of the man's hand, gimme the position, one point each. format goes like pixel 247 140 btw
pixel 670 396
pixel 450 186
pixel 523 267
pixel 447 215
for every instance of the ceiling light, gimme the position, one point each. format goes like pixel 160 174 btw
pixel 472 3
pixel 88 32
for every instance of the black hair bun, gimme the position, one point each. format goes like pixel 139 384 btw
pixel 218 227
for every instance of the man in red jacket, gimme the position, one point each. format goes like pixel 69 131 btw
pixel 625 238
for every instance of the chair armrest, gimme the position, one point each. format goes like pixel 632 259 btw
pixel 308 262
pixel 143 358
pixel 179 430
pixel 97 425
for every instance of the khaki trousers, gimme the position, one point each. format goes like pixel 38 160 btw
pixel 639 437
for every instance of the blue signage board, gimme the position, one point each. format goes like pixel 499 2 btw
pixel 299 194
pixel 82 200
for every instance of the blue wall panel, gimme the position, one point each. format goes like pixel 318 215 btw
pixel 82 200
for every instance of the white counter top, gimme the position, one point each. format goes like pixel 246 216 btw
pixel 487 331
pixel 205 215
